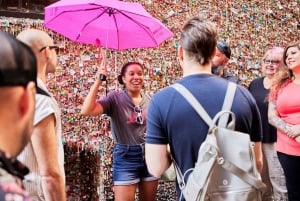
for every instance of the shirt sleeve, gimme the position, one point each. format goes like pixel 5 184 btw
pixel 256 127
pixel 154 132
pixel 43 108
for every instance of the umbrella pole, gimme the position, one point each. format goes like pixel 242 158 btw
pixel 101 60
pixel 116 71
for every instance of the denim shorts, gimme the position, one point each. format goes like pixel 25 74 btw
pixel 129 166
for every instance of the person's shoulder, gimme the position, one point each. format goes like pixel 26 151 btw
pixel 257 79
pixel 44 106
pixel 246 94
pixel 163 93
pixel 232 78
pixel 115 94
pixel 41 91
pixel 42 101
pixel 256 82
pixel 42 94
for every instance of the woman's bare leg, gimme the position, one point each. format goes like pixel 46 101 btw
pixel 148 190
pixel 125 192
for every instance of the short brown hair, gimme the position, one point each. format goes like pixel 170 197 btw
pixel 199 38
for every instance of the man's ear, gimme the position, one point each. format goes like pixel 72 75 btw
pixel 225 61
pixel 214 52
pixel 47 53
pixel 180 53
pixel 27 100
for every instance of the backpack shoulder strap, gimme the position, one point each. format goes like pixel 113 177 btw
pixel 228 100
pixel 194 102
pixel 202 113
pixel 41 91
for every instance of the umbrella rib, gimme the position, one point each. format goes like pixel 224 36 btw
pixel 138 23
pixel 86 24
pixel 70 11
pixel 117 28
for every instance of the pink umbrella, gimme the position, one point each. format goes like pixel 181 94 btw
pixel 109 23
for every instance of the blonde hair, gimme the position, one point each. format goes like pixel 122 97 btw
pixel 272 51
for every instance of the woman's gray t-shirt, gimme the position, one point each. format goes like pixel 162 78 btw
pixel 120 107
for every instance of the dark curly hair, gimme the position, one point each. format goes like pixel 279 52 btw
pixel 124 69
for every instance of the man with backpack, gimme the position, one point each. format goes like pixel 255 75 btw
pixel 172 120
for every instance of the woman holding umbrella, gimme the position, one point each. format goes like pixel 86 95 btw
pixel 127 110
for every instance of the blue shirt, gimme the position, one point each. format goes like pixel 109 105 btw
pixel 171 119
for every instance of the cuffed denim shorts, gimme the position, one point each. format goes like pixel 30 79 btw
pixel 129 166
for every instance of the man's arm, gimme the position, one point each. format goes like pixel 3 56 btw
pixel 257 149
pixel 46 150
pixel 90 107
pixel 158 158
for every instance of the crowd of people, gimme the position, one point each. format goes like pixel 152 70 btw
pixel 249 28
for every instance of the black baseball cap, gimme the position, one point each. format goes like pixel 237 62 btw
pixel 224 48
pixel 18 65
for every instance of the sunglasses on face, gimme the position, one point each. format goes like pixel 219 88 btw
pixel 139 117
pixel 51 47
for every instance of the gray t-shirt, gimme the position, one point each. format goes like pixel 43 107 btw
pixel 120 107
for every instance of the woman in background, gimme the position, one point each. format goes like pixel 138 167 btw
pixel 272 173
pixel 284 114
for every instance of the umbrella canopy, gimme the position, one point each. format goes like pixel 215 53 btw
pixel 109 23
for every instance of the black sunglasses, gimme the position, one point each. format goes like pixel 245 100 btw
pixel 56 48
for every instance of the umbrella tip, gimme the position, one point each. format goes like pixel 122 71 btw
pixel 78 35
pixel 98 42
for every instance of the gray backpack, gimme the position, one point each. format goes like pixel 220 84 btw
pixel 225 169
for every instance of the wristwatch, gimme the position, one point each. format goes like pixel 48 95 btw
pixel 102 77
